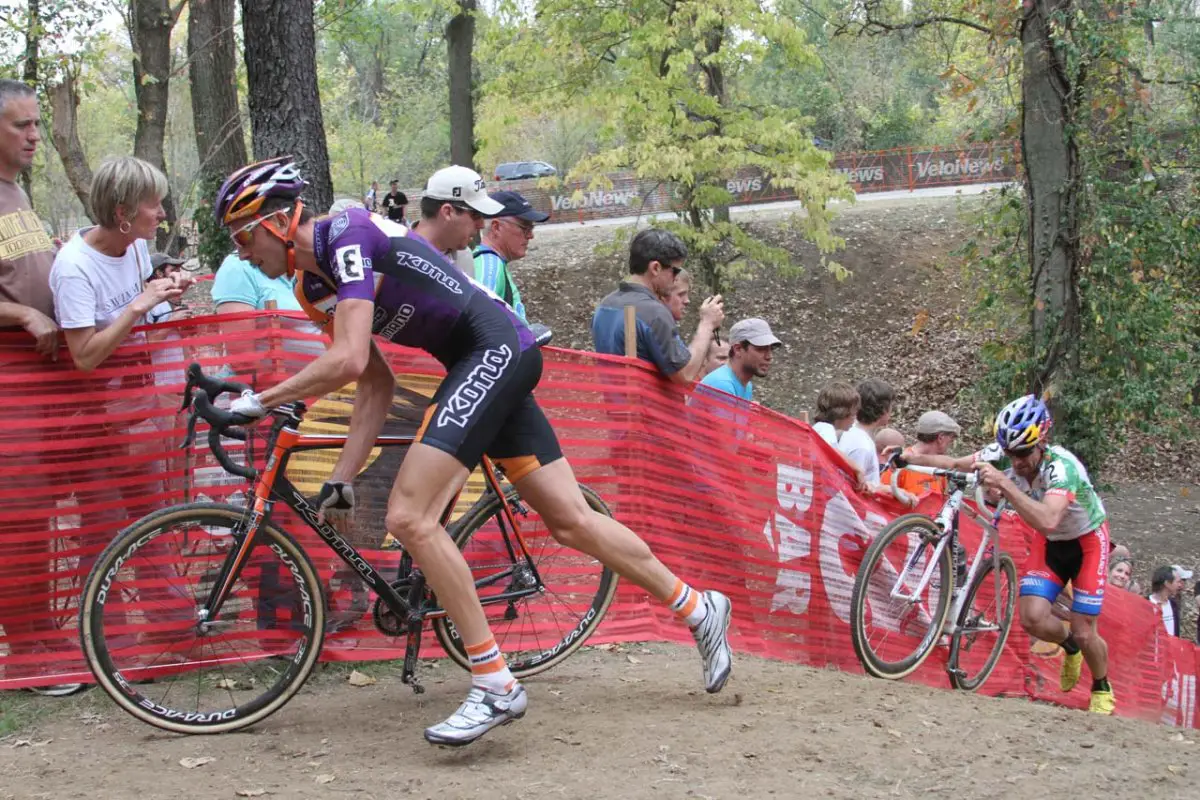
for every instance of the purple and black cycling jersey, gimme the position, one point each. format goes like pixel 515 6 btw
pixel 420 298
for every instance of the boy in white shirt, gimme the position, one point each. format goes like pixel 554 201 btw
pixel 874 412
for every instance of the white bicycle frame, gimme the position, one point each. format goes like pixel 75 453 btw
pixel 946 522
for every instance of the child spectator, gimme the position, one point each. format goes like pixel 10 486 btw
pixel 836 406
pixel 874 412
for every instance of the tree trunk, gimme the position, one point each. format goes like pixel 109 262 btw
pixel 1048 110
pixel 460 40
pixel 212 67
pixel 64 132
pixel 150 25
pixel 33 40
pixel 714 79
pixel 285 106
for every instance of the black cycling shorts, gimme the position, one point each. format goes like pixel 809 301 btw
pixel 485 403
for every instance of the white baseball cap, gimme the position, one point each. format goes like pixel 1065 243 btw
pixel 462 185
pixel 1180 572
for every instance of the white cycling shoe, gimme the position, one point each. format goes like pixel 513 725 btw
pixel 712 638
pixel 479 713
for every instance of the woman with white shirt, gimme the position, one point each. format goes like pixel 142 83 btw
pixel 101 277
pixel 102 287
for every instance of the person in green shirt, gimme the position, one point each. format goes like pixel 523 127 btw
pixel 505 240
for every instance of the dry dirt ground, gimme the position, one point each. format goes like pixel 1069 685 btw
pixel 601 725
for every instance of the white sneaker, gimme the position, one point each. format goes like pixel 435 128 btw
pixel 712 637
pixel 479 713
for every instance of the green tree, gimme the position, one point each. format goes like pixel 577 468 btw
pixel 668 76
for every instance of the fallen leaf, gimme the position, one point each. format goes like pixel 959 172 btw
pixel 1174 770
pixel 227 683
pixel 634 659
pixel 250 792
pixel 189 762
pixel 325 777
pixel 360 679
pixel 895 733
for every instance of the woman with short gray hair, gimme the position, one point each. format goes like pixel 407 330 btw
pixel 101 277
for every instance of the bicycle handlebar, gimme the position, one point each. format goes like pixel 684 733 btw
pixel 966 479
pixel 221 422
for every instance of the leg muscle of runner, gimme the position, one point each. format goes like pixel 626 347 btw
pixel 553 492
pixel 427 481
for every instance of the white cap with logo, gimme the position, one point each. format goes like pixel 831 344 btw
pixel 1180 572
pixel 462 185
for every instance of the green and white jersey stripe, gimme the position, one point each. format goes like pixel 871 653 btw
pixel 1062 473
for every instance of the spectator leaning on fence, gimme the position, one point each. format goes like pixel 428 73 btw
pixel 101 277
pixel 875 412
pixel 26 252
pixel 26 308
pixel 453 209
pixel 718 354
pixel 837 404
pixel 506 239
pixel 751 348
pixel 655 259
pixel 164 265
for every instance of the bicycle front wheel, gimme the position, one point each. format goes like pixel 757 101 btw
pixel 896 610
pixel 983 625
pixel 148 647
pixel 539 630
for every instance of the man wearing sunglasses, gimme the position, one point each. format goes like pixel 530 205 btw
pixel 505 240
pixel 363 276
pixel 453 209
pixel 655 259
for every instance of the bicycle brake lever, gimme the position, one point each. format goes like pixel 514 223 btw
pixel 190 439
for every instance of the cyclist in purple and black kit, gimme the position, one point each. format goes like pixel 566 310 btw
pixel 363 275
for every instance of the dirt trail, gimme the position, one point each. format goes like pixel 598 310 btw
pixel 603 726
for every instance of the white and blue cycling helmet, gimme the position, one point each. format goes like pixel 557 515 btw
pixel 1023 424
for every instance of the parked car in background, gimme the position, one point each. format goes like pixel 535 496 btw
pixel 523 170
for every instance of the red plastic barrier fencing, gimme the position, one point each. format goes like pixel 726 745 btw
pixel 731 497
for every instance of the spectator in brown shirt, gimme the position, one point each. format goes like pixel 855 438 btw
pixel 26 252
pixel 26 256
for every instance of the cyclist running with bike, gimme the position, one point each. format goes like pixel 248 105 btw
pixel 362 275
pixel 1050 490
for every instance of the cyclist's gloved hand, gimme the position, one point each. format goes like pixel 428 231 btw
pixel 248 405
pixel 335 501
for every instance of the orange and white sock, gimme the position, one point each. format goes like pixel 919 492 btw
pixel 685 604
pixel 488 669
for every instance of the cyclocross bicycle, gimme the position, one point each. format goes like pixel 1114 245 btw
pixel 208 617
pixel 905 591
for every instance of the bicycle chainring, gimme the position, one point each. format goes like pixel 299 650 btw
pixel 386 621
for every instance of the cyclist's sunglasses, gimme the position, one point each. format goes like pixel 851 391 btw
pixel 245 234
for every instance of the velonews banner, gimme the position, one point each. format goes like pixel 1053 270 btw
pixel 907 168
pixel 730 496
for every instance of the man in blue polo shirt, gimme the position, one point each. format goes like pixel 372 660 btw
pixel 655 258
pixel 751 347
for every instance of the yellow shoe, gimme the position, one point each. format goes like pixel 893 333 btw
pixel 1072 665
pixel 1102 703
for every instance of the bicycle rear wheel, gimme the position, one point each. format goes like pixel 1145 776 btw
pixel 149 650
pixel 893 635
pixel 539 630
pixel 983 625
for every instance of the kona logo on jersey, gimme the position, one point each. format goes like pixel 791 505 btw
pixel 432 270
pixel 403 314
pixel 339 226
pixel 466 398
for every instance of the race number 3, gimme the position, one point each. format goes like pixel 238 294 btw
pixel 349 263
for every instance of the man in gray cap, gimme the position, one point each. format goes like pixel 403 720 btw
pixel 936 431
pixel 751 347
